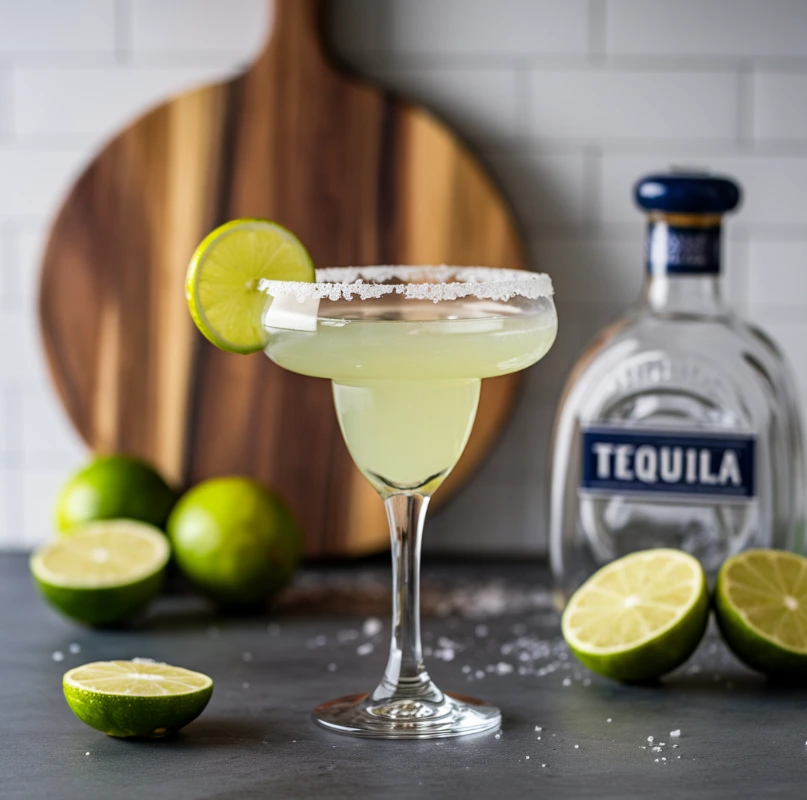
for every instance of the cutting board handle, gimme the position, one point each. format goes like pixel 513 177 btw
pixel 296 28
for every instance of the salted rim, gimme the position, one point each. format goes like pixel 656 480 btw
pixel 422 283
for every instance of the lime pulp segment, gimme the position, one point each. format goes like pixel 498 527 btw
pixel 138 678
pixel 101 555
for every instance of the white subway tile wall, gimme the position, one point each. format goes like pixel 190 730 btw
pixel 567 101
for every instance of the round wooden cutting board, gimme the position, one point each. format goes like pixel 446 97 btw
pixel 361 176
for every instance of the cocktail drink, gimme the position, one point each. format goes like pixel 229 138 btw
pixel 406 349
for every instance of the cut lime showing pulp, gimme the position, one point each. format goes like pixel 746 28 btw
pixel 640 616
pixel 104 572
pixel 761 607
pixel 136 698
pixel 224 275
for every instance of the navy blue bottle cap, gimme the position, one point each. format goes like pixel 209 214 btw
pixel 687 193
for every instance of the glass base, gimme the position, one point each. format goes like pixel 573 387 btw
pixel 453 715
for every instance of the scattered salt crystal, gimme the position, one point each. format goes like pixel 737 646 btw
pixel 567 681
pixel 365 649
pixel 347 635
pixel 538 738
pixel 644 747
pixel 246 655
pixel 503 669
pixel 212 632
pixel 74 647
pixel 679 756
pixel 497 736
pixel 538 728
pixel 662 743
pixel 466 669
pixel 481 631
pixel 656 749
pixel 608 720
pixel 58 655
pixel 656 760
pixel 650 739
pixel 372 626
pixel 663 758
pixel 528 758
pixel 87 753
pixel 543 765
pixel 479 674
pixel 245 685
pixel 332 667
pixel 676 733
pixel 577 747
pixel 273 629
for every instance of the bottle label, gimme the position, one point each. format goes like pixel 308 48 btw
pixel 682 250
pixel 620 460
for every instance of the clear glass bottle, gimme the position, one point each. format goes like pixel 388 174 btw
pixel 679 426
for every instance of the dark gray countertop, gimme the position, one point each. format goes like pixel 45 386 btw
pixel 738 736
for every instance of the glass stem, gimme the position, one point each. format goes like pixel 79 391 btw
pixel 405 677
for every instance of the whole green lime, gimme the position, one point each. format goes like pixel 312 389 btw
pixel 114 487
pixel 236 540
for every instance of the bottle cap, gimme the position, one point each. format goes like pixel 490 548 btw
pixel 687 193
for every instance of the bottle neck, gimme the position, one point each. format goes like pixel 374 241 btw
pixel 683 264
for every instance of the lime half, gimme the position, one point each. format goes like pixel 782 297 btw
pixel 225 271
pixel 761 607
pixel 103 573
pixel 640 616
pixel 136 698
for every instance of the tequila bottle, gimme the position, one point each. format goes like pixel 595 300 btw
pixel 679 426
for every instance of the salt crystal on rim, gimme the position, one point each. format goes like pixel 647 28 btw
pixel 676 732
pixel 435 283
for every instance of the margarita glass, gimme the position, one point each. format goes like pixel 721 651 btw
pixel 406 349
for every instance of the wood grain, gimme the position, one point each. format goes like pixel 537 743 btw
pixel 361 176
